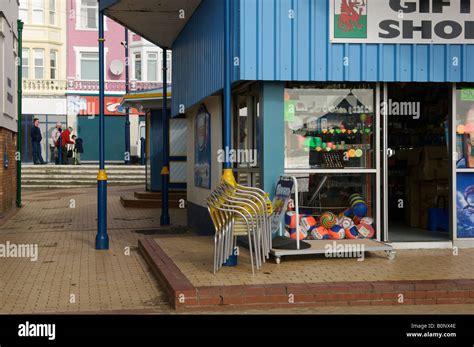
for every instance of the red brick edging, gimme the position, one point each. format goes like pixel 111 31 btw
pixel 183 295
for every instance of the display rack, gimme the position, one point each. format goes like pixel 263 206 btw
pixel 320 246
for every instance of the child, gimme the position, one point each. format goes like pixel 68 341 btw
pixel 78 149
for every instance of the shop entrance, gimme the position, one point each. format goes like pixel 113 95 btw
pixel 417 173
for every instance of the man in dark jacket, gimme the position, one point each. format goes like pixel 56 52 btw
pixel 36 139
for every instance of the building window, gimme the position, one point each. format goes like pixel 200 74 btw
pixel 53 64
pixel 39 63
pixel 52 12
pixel 137 57
pixel 329 127
pixel 152 67
pixel 89 66
pixel 38 12
pixel 89 14
pixel 25 63
pixel 24 11
pixel 168 63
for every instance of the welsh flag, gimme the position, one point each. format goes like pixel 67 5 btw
pixel 350 19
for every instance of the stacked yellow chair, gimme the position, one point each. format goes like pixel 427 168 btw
pixel 236 211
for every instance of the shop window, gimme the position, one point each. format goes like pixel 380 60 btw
pixel 330 127
pixel 349 197
pixel 465 161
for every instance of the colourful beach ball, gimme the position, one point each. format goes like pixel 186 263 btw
pixel 328 220
pixel 336 232
pixel 301 234
pixel 366 230
pixel 352 233
pixel 320 233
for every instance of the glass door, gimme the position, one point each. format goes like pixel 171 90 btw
pixel 416 166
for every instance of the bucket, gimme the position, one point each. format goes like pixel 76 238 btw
pixel 232 261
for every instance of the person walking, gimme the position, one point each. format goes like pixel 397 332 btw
pixel 53 140
pixel 36 138
pixel 65 142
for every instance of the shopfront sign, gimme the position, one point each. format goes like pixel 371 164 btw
pixel 89 106
pixel 402 21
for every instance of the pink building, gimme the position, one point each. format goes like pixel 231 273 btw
pixel 83 75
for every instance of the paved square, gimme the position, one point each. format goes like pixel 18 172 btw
pixel 194 257
pixel 70 275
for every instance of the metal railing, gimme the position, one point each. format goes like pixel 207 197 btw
pixel 111 86
pixel 44 87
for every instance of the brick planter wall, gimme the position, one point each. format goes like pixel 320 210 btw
pixel 7 175
pixel 184 296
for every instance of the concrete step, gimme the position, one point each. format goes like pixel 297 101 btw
pixel 133 202
pixel 174 194
pixel 64 176
pixel 80 182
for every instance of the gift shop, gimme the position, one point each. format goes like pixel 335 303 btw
pixel 368 104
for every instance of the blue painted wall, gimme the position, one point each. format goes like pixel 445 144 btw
pixel 274 47
pixel 272 148
pixel 198 55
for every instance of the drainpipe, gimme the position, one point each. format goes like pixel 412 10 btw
pixel 19 122
pixel 127 110
pixel 102 239
pixel 165 172
pixel 227 141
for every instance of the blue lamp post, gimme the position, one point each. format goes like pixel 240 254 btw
pixel 127 110
pixel 102 239
pixel 227 175
pixel 165 172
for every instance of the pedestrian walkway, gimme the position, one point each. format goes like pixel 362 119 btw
pixel 70 275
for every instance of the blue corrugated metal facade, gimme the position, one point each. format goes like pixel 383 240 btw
pixel 198 55
pixel 273 47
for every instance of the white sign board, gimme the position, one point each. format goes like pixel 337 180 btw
pixel 402 21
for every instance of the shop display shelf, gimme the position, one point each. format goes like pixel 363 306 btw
pixel 327 246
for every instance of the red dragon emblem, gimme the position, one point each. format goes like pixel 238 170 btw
pixel 351 12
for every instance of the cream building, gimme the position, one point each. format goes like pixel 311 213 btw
pixel 44 68
pixel 8 103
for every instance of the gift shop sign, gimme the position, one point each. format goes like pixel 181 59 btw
pixel 399 21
